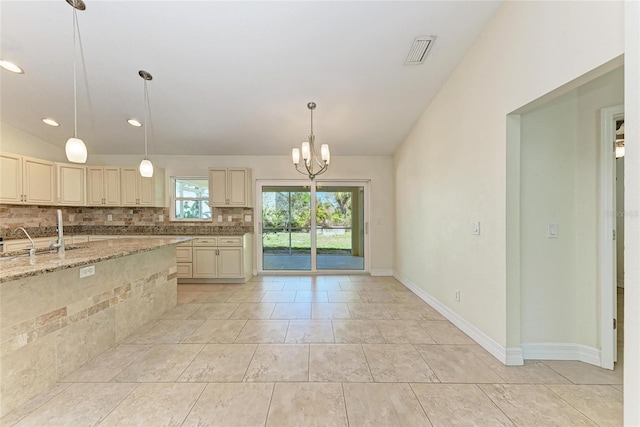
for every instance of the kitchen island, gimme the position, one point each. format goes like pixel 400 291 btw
pixel 57 312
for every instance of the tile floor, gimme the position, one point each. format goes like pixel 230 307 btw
pixel 325 351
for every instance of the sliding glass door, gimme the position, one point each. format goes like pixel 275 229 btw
pixel 286 228
pixel 340 226
pixel 312 226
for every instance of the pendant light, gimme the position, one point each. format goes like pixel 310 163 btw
pixel 146 167
pixel 75 149
pixel 309 155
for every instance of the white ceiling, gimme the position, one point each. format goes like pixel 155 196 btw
pixel 231 78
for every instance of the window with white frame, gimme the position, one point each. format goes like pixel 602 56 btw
pixel 190 199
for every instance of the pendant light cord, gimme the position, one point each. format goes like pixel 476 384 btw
pixel 146 104
pixel 75 90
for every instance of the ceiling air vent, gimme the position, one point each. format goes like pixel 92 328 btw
pixel 419 50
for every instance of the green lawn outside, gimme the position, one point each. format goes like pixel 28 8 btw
pixel 275 242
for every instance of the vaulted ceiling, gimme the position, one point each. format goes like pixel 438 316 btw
pixel 231 78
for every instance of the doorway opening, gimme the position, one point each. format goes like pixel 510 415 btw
pixel 312 226
pixel 612 235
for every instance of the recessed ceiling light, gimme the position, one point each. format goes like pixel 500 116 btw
pixel 134 122
pixel 50 122
pixel 10 66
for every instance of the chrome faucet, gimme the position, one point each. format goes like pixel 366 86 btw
pixel 59 245
pixel 32 251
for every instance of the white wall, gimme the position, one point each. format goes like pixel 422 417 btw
pixel 379 170
pixel 560 157
pixel 451 169
pixel 632 221
pixel 14 140
pixel 620 221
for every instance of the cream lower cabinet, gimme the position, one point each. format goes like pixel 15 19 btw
pixel 184 257
pixel 218 257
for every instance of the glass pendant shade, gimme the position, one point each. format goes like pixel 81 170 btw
pixel 306 151
pixel 146 168
pixel 295 155
pixel 326 154
pixel 76 150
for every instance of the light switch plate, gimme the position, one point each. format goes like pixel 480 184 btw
pixel 219 218
pixel 229 218
pixel 247 218
pixel 160 217
pixel 475 228
pixel 552 231
pixel 72 217
pixel 109 217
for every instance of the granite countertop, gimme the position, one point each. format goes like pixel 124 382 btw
pixel 132 230
pixel 13 268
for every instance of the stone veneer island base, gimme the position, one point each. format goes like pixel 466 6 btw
pixel 54 322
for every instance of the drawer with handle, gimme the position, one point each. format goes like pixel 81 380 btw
pixel 206 241
pixel 230 241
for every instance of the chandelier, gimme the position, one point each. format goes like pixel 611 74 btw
pixel 309 155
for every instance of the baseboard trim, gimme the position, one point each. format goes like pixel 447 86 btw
pixel 561 351
pixel 512 356
pixel 381 272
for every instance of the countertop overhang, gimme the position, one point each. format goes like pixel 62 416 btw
pixel 133 230
pixel 13 268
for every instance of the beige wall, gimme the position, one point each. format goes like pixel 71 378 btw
pixel 451 170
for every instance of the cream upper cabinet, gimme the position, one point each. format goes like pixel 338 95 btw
pixel 230 187
pixel 137 190
pixel 26 180
pixel 72 184
pixel 103 186
pixel 11 178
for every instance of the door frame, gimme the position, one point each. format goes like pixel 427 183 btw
pixel 312 184
pixel 608 282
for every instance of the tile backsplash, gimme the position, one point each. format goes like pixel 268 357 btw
pixel 12 216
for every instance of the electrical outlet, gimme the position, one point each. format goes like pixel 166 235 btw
pixel 458 295
pixel 87 271
pixel 109 217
